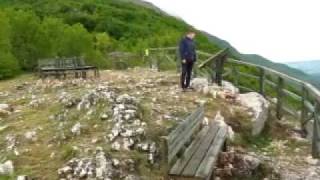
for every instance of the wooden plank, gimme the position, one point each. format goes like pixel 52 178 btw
pixel 262 77
pixel 216 56
pixel 248 75
pixel 309 106
pixel 184 125
pixel 316 132
pixel 292 95
pixel 271 83
pixel 279 97
pixel 303 115
pixel 246 89
pixel 189 128
pixel 197 158
pixel 206 167
pixel 186 136
pixel 291 111
pixel 182 161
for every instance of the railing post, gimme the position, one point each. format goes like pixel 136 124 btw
pixel 316 135
pixel 279 97
pixel 261 81
pixel 235 75
pixel 303 114
pixel 219 70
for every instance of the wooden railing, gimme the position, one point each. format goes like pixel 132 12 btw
pixel 290 95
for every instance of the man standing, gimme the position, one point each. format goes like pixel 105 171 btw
pixel 188 58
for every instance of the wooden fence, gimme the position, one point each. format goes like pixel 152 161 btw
pixel 290 95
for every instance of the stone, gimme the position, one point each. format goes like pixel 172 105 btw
pixel 22 177
pixel 260 108
pixel 31 135
pixel 128 143
pixel 5 110
pixel 116 146
pixel 228 86
pixel 104 116
pixel 219 121
pixel 199 84
pixel 76 129
pixel 7 168
pixel 312 161
pixel 132 177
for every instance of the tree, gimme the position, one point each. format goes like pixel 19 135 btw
pixel 25 27
pixel 75 41
pixel 8 64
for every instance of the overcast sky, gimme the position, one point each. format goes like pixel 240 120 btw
pixel 281 30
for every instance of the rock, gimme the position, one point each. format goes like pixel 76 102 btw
pixel 233 164
pixel 116 146
pixel 2 128
pixel 312 161
pixel 5 110
pixel 128 143
pixel 199 84
pixel 76 129
pixel 132 177
pixel 228 86
pixel 7 168
pixel 6 107
pixel 31 135
pixel 259 107
pixel 104 116
pixel 22 177
pixel 219 121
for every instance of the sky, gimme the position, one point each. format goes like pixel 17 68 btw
pixel 280 30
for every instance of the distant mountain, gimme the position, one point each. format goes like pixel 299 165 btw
pixel 310 67
pixel 260 60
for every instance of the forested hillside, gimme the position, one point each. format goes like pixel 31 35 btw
pixel 33 30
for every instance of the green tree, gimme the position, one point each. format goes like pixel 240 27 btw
pixel 25 27
pixel 8 64
pixel 75 41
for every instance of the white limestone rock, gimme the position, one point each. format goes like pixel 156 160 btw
pixel 76 129
pixel 259 107
pixel 7 168
pixel 219 121
pixel 199 84
pixel 31 135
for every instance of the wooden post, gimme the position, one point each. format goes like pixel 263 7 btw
pixel 279 97
pixel 261 81
pixel 164 155
pixel 303 114
pixel 235 75
pixel 178 61
pixel 219 71
pixel 316 133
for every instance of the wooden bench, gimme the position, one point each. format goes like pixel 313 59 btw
pixel 192 149
pixel 62 66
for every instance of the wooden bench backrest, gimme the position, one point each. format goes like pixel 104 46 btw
pixel 183 134
pixel 47 63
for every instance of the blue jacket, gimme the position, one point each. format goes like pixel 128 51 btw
pixel 187 49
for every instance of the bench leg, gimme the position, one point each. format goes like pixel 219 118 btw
pixel 84 74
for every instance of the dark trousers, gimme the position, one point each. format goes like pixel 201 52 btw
pixel 186 73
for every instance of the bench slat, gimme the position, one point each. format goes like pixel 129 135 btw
pixel 181 127
pixel 190 126
pixel 206 167
pixel 182 162
pixel 197 158
pixel 185 136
